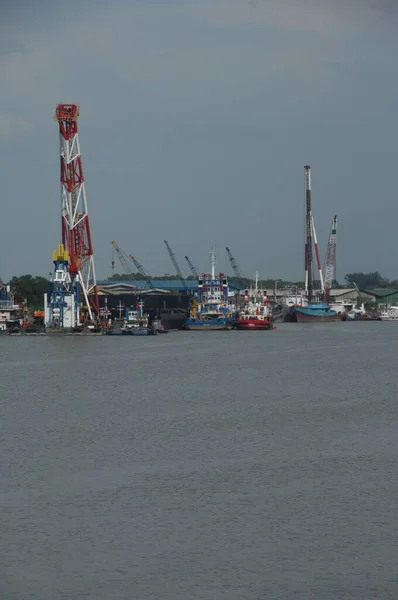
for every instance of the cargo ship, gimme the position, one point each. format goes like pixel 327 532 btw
pixel 255 313
pixel 212 309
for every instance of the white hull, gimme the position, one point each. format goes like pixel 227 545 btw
pixel 391 314
pixel 388 318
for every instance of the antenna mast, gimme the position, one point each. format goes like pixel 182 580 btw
pixel 213 259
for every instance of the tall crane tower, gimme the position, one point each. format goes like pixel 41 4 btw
pixel 193 269
pixel 330 262
pixel 175 263
pixel 310 241
pixel 74 259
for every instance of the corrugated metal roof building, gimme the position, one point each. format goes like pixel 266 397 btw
pixel 188 286
pixel 382 297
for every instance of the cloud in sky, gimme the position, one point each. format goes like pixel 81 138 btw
pixel 196 113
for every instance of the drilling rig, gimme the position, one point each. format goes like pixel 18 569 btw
pixel 73 297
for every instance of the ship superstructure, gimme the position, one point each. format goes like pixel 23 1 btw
pixel 212 308
pixel 9 309
pixel 255 313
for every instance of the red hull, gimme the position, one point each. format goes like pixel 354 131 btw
pixel 253 324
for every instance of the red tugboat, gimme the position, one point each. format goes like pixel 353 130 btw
pixel 255 313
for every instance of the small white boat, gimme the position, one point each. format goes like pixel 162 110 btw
pixel 391 314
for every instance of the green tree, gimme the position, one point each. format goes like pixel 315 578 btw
pixel 29 288
pixel 125 277
pixel 367 280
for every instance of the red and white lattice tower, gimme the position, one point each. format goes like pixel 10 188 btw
pixel 76 236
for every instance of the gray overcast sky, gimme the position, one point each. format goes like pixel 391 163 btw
pixel 197 117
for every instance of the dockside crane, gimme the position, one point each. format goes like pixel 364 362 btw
pixel 125 260
pixel 175 263
pixel 330 262
pixel 193 269
pixel 142 271
pixel 234 264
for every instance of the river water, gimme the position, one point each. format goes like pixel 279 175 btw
pixel 214 466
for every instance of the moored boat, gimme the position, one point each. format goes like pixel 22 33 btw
pixel 212 309
pixel 311 313
pixel 390 314
pixel 255 313
pixel 135 322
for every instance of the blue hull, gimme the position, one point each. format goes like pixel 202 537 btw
pixel 316 313
pixel 115 332
pixel 130 332
pixel 211 324
pixel 138 332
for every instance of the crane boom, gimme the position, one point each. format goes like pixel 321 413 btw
pixel 125 260
pixel 330 262
pixel 318 258
pixel 234 264
pixel 142 271
pixel 123 257
pixel 194 270
pixel 175 263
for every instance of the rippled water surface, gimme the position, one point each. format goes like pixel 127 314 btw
pixel 215 466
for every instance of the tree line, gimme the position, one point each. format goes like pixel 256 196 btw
pixel 370 280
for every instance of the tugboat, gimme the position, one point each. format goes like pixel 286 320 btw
pixel 255 313
pixel 134 323
pixel 211 310
pixel 10 311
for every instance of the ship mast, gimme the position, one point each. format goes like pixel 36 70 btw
pixel 213 263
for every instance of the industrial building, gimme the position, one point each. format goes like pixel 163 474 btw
pixel 383 298
pixel 164 286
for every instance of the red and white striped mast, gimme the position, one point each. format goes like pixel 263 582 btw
pixel 76 236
